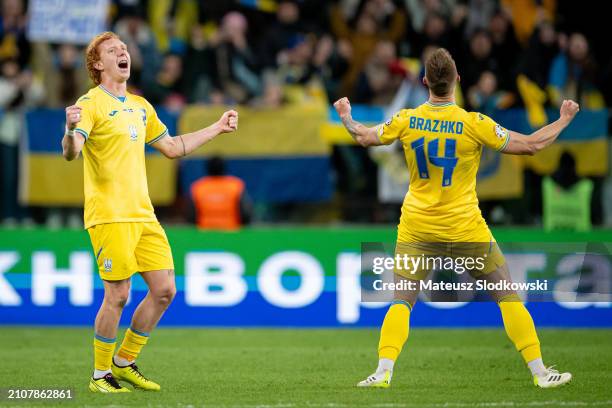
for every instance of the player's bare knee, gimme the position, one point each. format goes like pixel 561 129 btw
pixel 116 300
pixel 165 294
pixel 116 293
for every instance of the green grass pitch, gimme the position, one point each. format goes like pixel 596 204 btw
pixel 314 368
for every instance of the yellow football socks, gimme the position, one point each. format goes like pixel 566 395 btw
pixel 520 328
pixel 133 342
pixel 103 352
pixel 394 331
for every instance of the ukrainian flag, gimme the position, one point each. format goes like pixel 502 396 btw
pixel 49 180
pixel 277 152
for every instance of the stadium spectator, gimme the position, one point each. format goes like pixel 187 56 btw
pixel 477 15
pixel 381 77
pixel 18 91
pixel 527 14
pixel 332 60
pixel 13 42
pixel 439 30
pixel 198 66
pixel 284 32
pixel 540 53
pixel 567 198
pixel 480 59
pixel 139 38
pixel 187 51
pixel 220 200
pixel 419 10
pixel 573 75
pixel 67 78
pixel 167 89
pixel 369 26
pixel 485 96
pixel 296 67
pixel 504 49
pixel 435 33
pixel 234 72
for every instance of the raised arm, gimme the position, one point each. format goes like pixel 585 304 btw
pixel 182 145
pixel 365 136
pixel 72 142
pixel 543 137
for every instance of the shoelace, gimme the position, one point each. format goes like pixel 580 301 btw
pixel 135 370
pixel 552 370
pixel 553 374
pixel 111 381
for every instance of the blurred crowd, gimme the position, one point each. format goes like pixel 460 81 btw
pixel 510 53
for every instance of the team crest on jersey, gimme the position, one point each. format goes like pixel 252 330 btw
pixel 501 132
pixel 108 265
pixel 133 133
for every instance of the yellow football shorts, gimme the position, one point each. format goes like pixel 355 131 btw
pixel 124 248
pixel 478 258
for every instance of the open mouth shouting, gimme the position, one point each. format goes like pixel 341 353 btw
pixel 123 64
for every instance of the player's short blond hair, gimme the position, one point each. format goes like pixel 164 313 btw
pixel 92 55
pixel 441 72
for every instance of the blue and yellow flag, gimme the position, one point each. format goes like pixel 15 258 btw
pixel 49 180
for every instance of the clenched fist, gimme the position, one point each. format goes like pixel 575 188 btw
pixel 73 116
pixel 343 107
pixel 568 110
pixel 228 122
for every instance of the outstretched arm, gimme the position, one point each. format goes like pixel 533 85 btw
pixel 543 137
pixel 182 145
pixel 365 136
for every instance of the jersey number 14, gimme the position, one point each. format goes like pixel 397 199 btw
pixel 446 162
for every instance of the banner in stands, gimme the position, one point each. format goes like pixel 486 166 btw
pixel 277 152
pixel 300 277
pixel 44 168
pixel 586 138
pixel 283 155
pixel 66 21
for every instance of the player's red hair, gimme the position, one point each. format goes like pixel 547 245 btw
pixel 92 55
pixel 441 72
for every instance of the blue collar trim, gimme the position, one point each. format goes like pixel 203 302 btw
pixel 119 98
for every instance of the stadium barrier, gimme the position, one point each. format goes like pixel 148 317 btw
pixel 299 277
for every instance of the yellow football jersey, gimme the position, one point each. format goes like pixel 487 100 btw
pixel 116 130
pixel 442 144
